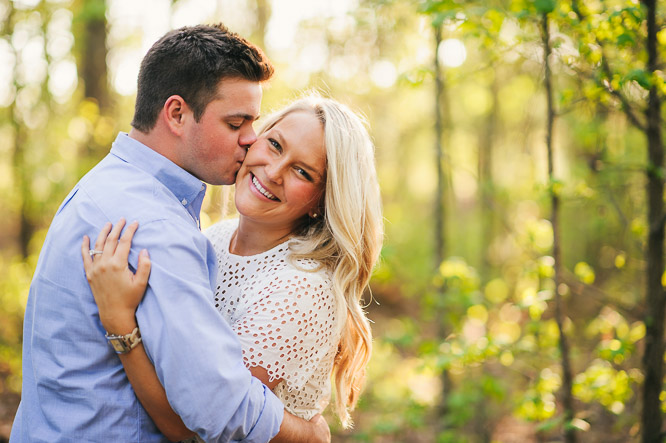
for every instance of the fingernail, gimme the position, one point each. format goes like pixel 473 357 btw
pixel 144 253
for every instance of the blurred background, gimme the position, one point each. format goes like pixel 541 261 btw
pixel 520 156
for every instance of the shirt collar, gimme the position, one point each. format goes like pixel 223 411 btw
pixel 181 183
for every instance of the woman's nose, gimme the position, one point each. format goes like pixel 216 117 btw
pixel 274 172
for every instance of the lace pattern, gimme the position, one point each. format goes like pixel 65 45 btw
pixel 285 317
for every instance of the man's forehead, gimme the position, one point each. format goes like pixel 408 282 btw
pixel 240 98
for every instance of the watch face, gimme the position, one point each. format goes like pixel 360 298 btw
pixel 118 345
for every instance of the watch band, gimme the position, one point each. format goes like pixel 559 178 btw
pixel 122 344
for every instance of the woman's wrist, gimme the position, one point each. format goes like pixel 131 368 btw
pixel 119 323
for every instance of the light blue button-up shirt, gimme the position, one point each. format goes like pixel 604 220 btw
pixel 74 386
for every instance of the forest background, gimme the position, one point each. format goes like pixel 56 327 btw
pixel 520 294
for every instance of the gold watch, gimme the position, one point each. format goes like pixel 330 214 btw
pixel 122 344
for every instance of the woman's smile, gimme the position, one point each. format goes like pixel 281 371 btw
pixel 262 190
pixel 282 178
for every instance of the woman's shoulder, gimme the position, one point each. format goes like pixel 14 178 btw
pixel 221 229
pixel 303 282
pixel 306 270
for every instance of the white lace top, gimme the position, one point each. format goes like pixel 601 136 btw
pixel 285 317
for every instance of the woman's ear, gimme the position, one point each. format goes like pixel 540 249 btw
pixel 175 114
pixel 318 210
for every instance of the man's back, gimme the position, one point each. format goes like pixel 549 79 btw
pixel 74 386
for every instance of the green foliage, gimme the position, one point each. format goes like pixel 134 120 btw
pixel 14 283
pixel 476 333
pixel 544 6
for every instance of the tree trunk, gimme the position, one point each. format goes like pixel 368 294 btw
pixel 488 223
pixel 93 53
pixel 567 378
pixel 486 182
pixel 653 359
pixel 26 227
pixel 440 216
pixel 439 157
pixel 263 14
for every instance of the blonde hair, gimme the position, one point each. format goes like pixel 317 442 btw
pixel 347 238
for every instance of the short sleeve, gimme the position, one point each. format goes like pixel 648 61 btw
pixel 290 328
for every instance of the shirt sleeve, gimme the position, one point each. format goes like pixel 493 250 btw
pixel 196 355
pixel 290 328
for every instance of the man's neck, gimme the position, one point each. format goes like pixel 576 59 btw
pixel 156 142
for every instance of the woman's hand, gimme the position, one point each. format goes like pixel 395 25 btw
pixel 117 290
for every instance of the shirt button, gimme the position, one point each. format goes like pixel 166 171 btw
pixel 203 187
pixel 184 202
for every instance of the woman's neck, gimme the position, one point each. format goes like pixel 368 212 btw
pixel 253 237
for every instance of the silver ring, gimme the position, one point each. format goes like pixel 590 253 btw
pixel 94 252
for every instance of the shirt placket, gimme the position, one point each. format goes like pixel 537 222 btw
pixel 193 207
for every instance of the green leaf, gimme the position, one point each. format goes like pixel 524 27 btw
pixel 626 40
pixel 639 76
pixel 544 6
pixel 550 424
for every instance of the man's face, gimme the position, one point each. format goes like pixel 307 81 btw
pixel 215 146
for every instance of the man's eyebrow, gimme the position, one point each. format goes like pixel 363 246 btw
pixel 244 116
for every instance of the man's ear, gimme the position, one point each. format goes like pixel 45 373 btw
pixel 175 114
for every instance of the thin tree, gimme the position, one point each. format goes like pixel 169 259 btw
pixel 485 176
pixel 91 16
pixel 262 10
pixel 567 378
pixel 439 210
pixel 20 171
pixel 653 359
pixel 655 296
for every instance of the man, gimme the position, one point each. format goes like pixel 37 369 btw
pixel 199 92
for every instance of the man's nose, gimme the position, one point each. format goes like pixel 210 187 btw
pixel 247 137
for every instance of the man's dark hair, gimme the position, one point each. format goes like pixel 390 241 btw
pixel 190 62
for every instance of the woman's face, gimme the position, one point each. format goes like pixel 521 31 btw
pixel 284 173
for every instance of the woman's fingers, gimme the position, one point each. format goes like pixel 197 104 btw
pixel 85 254
pixel 116 250
pixel 101 238
pixel 125 243
pixel 142 269
pixel 112 239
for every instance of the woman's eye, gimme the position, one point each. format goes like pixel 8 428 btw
pixel 275 144
pixel 304 173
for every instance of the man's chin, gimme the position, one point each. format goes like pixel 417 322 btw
pixel 218 181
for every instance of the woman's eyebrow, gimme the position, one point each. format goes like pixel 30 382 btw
pixel 280 138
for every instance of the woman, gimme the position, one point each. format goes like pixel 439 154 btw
pixel 292 268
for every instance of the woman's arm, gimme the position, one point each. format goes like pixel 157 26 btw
pixel 150 392
pixel 262 375
pixel 118 292
pixel 295 430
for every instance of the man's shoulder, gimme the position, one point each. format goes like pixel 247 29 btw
pixel 120 189
pixel 112 176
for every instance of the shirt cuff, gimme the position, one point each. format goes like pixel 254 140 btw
pixel 269 421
